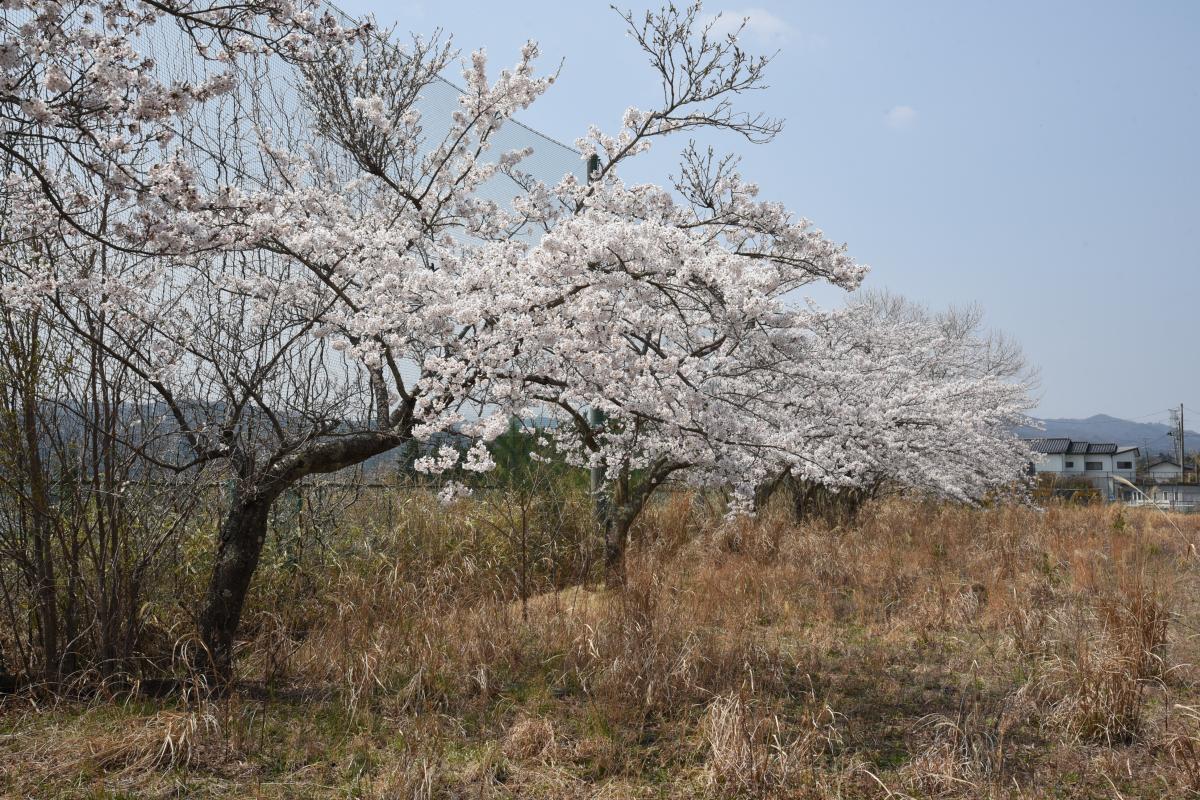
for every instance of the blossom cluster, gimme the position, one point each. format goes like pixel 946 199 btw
pixel 658 327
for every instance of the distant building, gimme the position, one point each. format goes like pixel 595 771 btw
pixel 1165 470
pixel 1100 464
pixel 1173 496
pixel 1084 459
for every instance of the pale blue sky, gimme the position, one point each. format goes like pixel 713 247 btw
pixel 1041 159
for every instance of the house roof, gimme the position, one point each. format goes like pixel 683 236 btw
pixel 1069 447
pixel 1049 446
pixel 1168 461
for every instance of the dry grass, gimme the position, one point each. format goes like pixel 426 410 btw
pixel 927 651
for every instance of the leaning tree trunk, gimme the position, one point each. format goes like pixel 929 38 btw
pixel 241 542
pixel 244 531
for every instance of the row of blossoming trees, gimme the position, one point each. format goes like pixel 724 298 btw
pixel 272 264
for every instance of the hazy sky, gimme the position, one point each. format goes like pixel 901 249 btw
pixel 1040 159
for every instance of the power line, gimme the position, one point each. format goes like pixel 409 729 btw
pixel 1109 422
pixel 1151 414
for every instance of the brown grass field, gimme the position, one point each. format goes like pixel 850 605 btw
pixel 923 651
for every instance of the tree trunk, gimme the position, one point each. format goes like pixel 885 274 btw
pixel 622 509
pixel 241 542
pixel 617 519
pixel 801 500
pixel 46 588
pixel 244 532
pixel 616 535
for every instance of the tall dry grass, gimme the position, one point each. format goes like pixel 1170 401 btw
pixel 926 650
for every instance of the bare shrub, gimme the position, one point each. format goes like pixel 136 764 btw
pixel 751 752
pixel 1093 669
pixel 966 751
pixel 529 738
pixel 1181 741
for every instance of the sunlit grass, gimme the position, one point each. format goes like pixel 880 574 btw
pixel 927 650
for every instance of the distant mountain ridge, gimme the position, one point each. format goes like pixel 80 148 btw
pixel 1152 437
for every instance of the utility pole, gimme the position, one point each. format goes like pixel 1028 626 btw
pixel 1182 447
pixel 596 418
pixel 1180 450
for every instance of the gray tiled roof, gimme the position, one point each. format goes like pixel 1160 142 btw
pixel 1049 446
pixel 1066 446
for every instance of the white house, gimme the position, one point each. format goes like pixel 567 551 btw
pixel 1167 469
pixel 1097 463
pixel 1084 459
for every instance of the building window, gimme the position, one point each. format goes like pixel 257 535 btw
pixel 1124 465
pixel 1070 465
pixel 1093 466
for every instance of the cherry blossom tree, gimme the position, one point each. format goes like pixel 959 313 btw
pixel 274 249
pixel 656 306
pixel 309 271
pixel 664 308
pixel 891 395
